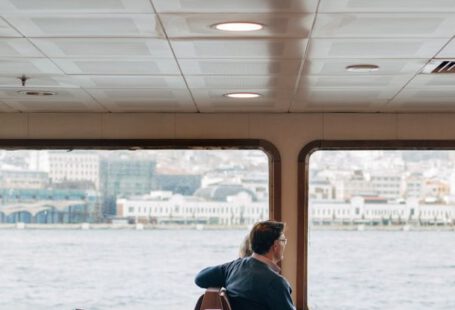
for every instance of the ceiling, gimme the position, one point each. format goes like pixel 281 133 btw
pixel 166 56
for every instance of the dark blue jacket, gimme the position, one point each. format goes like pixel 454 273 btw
pixel 250 284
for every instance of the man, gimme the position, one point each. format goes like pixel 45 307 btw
pixel 254 283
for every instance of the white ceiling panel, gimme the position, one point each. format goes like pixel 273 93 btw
pixel 6 30
pixel 429 81
pixel 151 100
pixel 393 83
pixel 241 82
pixel 239 67
pixel 63 100
pixel 101 47
pixel 239 48
pixel 202 25
pixel 93 25
pixel 213 100
pixel 235 6
pixel 44 105
pixel 386 66
pixel 424 99
pixel 384 26
pixel 448 51
pixel 346 99
pixel 102 66
pixel 426 95
pixel 18 48
pixel 30 66
pixel 60 81
pixel 375 48
pixel 127 81
pixel 60 94
pixel 389 6
pixel 79 6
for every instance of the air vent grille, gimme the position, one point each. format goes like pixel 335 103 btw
pixel 445 67
pixel 440 66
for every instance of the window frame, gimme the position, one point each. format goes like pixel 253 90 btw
pixel 303 190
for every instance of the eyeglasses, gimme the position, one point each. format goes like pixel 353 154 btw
pixel 284 240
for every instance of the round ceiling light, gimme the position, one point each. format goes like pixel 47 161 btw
pixel 37 93
pixel 238 26
pixel 243 95
pixel 362 68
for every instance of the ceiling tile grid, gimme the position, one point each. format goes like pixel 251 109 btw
pixel 235 6
pixel 167 55
pixel 386 6
pixel 214 100
pixel 125 45
pixel 145 100
pixel 36 67
pixel 104 48
pixel 398 37
pixel 71 6
pixel 7 31
pixel 202 25
pixel 86 25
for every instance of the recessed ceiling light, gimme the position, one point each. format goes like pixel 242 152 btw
pixel 362 68
pixel 238 26
pixel 243 95
pixel 36 93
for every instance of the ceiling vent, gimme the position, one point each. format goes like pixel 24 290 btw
pixel 440 66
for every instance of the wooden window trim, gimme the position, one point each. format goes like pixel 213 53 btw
pixel 302 199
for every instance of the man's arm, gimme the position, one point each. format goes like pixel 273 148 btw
pixel 211 277
pixel 279 295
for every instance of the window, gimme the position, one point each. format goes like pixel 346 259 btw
pixel 61 256
pixel 394 251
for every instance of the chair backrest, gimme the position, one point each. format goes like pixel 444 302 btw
pixel 213 298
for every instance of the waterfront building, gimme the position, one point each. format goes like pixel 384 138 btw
pixel 413 186
pixel 76 166
pixel 380 212
pixel 387 184
pixel 184 184
pixel 435 189
pixel 21 178
pixel 257 183
pixel 165 208
pixel 358 184
pixel 223 192
pixel 124 177
pixel 321 189
pixel 48 206
pixel 254 181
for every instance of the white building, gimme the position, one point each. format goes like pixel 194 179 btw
pixel 387 184
pixel 414 185
pixel 357 184
pixel 74 166
pixel 20 178
pixel 239 209
pixel 361 211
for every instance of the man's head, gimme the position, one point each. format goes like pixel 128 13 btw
pixel 267 238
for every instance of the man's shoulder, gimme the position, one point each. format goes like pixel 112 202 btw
pixel 247 264
pixel 232 264
pixel 279 283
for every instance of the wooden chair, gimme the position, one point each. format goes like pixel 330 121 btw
pixel 213 298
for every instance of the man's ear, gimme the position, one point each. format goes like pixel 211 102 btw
pixel 275 244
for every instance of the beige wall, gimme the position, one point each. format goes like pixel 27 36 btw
pixel 288 132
